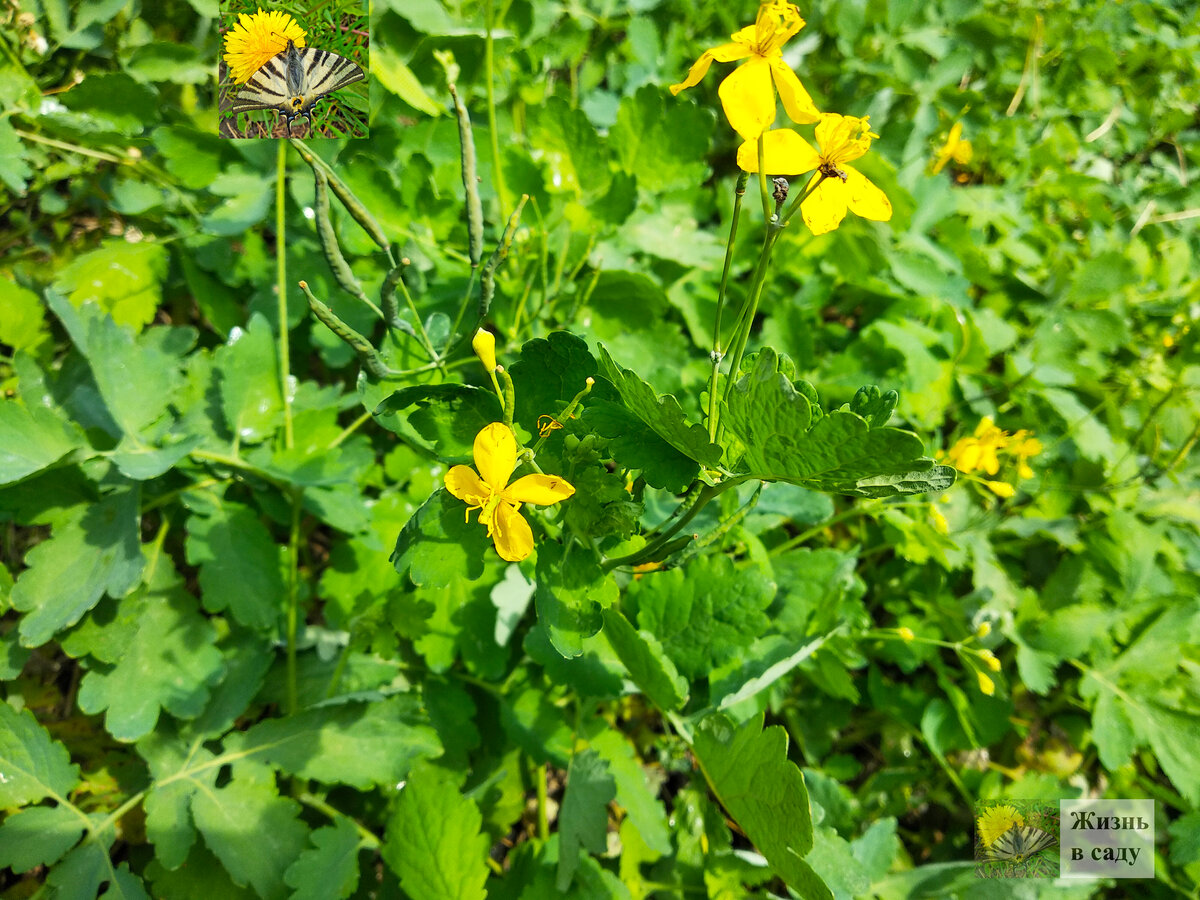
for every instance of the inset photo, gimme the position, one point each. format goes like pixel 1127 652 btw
pixel 294 69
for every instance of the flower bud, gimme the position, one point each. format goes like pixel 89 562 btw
pixel 986 685
pixel 484 344
pixel 984 629
pixel 905 632
pixel 990 658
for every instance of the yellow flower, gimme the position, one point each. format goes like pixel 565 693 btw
pixel 496 499
pixel 1001 489
pixel 980 450
pixel 256 39
pixel 747 94
pixel 955 149
pixel 1023 446
pixel 996 821
pixel 842 139
pixel 484 345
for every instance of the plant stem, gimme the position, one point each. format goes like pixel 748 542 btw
pixel 707 493
pixel 285 362
pixel 718 353
pixel 293 601
pixel 489 61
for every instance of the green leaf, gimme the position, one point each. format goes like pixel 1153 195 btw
pixel 447 417
pixel 33 439
pixel 636 446
pixel 38 836
pixel 748 769
pixel 550 372
pixel 239 562
pixel 14 167
pixel 255 833
pixel 359 744
pixel 122 364
pixel 572 153
pixel 34 765
pixel 438 545
pixel 704 613
pixel 179 771
pixel 157 654
pixel 583 819
pixel 202 877
pixel 841 453
pixel 247 376
pixel 331 868
pixel 649 666
pixel 22 315
pixel 123 279
pixel 434 840
pixel 656 137
pixel 634 793
pixel 97 552
pixel 661 413
pixel 571 592
pixel 246 660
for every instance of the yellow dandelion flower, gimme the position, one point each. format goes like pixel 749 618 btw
pixel 498 501
pixel 995 821
pixel 748 94
pixel 955 149
pixel 258 38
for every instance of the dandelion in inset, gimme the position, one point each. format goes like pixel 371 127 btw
pixel 256 39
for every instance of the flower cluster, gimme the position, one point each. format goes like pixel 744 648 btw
pixel 256 39
pixel 748 98
pixel 982 452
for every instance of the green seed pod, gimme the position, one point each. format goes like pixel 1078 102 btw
pixel 470 181
pixel 367 354
pixel 353 205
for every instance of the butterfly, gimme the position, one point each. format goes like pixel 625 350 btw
pixel 1020 842
pixel 294 79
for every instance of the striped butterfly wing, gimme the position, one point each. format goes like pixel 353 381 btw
pixel 1020 842
pixel 294 79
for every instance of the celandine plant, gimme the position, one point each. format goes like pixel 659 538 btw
pixel 568 445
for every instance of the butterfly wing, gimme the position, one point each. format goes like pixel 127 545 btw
pixel 1020 843
pixel 296 78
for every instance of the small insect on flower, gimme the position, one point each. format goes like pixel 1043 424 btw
pixel 498 501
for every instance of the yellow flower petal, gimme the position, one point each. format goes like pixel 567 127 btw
pixel 796 100
pixel 511 533
pixel 463 483
pixel 541 490
pixel 864 198
pixel 724 53
pixel 825 208
pixel 256 39
pixel 495 454
pixel 785 153
pixel 484 345
pixel 748 98
pixel 1001 488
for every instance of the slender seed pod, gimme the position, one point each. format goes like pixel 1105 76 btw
pixel 391 307
pixel 329 242
pixel 366 353
pixel 470 181
pixel 353 205
pixel 487 279
pixel 510 394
